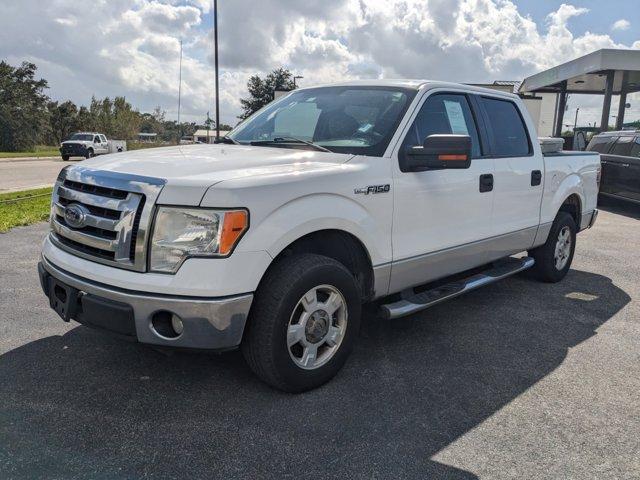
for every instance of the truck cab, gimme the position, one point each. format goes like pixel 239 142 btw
pixel 407 193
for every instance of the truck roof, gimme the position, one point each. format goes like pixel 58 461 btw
pixel 417 85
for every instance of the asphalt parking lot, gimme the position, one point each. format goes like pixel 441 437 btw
pixel 516 380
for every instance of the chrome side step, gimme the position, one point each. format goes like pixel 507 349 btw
pixel 429 298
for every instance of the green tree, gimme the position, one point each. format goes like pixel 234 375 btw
pixel 23 107
pixel 261 90
pixel 63 120
pixel 115 118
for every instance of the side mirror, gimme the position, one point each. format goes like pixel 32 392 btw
pixel 439 152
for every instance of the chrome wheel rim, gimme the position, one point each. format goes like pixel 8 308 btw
pixel 563 248
pixel 317 327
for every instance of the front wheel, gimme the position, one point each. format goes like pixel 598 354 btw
pixel 65 158
pixel 89 154
pixel 303 323
pixel 553 259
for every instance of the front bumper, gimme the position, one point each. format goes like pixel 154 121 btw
pixel 73 149
pixel 209 323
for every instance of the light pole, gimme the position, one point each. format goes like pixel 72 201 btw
pixel 179 93
pixel 215 46
pixel 296 78
pixel 575 123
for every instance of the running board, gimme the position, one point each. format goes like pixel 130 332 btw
pixel 429 298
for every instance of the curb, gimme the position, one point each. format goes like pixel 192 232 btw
pixel 29 159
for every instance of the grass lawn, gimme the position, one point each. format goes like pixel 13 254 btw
pixel 16 209
pixel 39 151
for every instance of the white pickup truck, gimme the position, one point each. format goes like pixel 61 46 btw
pixel 90 144
pixel 404 192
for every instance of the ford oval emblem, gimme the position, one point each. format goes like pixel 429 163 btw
pixel 75 215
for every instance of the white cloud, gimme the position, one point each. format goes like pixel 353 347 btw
pixel 621 24
pixel 133 50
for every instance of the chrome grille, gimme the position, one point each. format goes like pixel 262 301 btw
pixel 116 213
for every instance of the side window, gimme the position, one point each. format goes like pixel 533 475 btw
pixel 622 147
pixel 96 139
pixel 600 144
pixel 103 138
pixel 443 114
pixel 506 128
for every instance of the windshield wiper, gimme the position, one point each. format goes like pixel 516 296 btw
pixel 280 140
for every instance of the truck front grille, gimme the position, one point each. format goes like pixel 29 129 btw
pixel 103 216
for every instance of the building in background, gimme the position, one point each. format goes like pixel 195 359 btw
pixel 147 137
pixel 207 136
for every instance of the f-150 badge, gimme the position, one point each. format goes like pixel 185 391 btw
pixel 373 189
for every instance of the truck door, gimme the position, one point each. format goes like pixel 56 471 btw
pixel 519 174
pixel 440 217
pixel 104 145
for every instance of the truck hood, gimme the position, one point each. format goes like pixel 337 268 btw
pixel 189 170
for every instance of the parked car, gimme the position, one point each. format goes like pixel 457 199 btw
pixel 620 153
pixel 325 199
pixel 90 144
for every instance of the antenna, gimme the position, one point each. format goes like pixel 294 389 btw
pixel 215 44
pixel 180 92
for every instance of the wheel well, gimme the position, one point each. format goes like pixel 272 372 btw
pixel 573 207
pixel 342 247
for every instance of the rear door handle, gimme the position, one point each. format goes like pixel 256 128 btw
pixel 486 182
pixel 536 178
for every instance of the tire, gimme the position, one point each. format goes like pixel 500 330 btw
pixel 65 158
pixel 549 267
pixel 276 319
pixel 89 153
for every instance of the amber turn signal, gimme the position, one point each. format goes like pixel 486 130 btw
pixel 235 223
pixel 452 158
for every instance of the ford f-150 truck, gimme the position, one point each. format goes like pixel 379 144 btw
pixel 403 192
pixel 89 144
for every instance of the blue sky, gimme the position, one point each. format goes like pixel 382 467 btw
pixel 134 49
pixel 601 16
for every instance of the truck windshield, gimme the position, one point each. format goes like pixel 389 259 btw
pixel 352 119
pixel 82 137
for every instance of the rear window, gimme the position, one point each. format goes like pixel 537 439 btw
pixel 508 131
pixel 600 144
pixel 622 147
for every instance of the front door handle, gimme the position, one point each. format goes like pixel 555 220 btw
pixel 486 182
pixel 536 178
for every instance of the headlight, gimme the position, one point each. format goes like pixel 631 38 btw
pixel 180 233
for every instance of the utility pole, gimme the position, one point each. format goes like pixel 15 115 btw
pixel 575 123
pixel 215 44
pixel 208 122
pixel 180 93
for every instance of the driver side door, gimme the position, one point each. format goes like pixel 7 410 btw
pixel 441 218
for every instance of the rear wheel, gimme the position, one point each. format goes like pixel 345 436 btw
pixel 303 323
pixel 553 259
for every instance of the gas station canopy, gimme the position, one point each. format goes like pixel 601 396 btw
pixel 604 72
